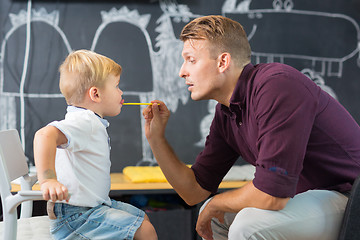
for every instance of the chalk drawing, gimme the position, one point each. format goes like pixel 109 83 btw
pixel 319 80
pixel 165 63
pixel 206 122
pixel 329 66
pixel 321 67
pixel 7 99
pixel 19 20
pixel 166 60
pixel 167 85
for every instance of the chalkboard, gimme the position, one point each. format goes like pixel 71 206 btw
pixel 320 38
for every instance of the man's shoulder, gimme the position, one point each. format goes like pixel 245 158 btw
pixel 274 68
pixel 275 74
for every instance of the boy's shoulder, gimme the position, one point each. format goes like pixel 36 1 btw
pixel 76 121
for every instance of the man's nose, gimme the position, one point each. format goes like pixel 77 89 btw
pixel 182 72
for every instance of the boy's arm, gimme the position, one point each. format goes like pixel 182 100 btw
pixel 45 142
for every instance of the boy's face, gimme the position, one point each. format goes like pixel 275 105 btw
pixel 200 70
pixel 112 100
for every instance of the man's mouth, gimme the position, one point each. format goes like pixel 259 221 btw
pixel 190 85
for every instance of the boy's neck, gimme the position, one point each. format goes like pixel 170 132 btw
pixel 87 108
pixel 90 104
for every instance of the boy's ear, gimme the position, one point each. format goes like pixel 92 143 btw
pixel 94 94
pixel 224 61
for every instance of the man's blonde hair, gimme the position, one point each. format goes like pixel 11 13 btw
pixel 223 34
pixel 83 69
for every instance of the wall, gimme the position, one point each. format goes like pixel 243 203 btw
pixel 320 38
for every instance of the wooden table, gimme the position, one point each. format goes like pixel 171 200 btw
pixel 120 184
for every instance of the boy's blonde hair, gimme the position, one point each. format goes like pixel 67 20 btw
pixel 223 34
pixel 83 69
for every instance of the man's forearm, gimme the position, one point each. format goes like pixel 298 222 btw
pixel 181 177
pixel 247 196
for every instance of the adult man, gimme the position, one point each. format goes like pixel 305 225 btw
pixel 304 144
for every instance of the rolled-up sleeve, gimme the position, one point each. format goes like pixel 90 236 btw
pixel 285 110
pixel 216 159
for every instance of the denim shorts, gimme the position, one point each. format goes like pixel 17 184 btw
pixel 118 221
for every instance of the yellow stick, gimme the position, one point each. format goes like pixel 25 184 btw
pixel 138 104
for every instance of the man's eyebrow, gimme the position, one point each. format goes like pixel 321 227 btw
pixel 186 54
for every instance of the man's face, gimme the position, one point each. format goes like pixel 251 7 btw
pixel 200 70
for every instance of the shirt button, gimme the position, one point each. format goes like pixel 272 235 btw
pixel 240 123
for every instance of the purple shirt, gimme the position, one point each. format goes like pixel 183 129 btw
pixel 297 135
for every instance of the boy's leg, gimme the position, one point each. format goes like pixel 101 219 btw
pixel 118 221
pixel 146 230
pixel 315 214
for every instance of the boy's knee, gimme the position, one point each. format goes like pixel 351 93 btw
pixel 146 231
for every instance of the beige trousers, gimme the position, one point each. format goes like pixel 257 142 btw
pixel 315 214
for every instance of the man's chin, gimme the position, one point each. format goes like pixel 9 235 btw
pixel 195 98
pixel 198 98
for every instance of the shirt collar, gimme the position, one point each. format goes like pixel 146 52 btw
pixel 237 100
pixel 71 108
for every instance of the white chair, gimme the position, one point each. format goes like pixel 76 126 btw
pixel 350 225
pixel 13 165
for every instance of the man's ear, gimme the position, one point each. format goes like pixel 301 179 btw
pixel 224 61
pixel 94 94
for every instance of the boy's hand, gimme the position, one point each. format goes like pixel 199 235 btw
pixel 54 190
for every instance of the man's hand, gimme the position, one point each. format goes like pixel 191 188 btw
pixel 234 201
pixel 203 225
pixel 156 117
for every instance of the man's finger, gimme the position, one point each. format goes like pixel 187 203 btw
pixel 146 111
pixel 155 109
pixel 221 218
pixel 205 231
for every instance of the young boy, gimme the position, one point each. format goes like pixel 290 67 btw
pixel 72 156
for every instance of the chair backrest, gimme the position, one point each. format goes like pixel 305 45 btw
pixel 12 158
pixel 12 166
pixel 350 229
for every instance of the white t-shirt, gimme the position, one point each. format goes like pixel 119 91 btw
pixel 83 164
